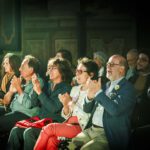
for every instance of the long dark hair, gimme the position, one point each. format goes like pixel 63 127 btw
pixel 91 67
pixel 64 68
pixel 14 61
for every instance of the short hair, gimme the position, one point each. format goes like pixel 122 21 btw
pixel 33 62
pixel 134 52
pixel 101 56
pixel 14 61
pixel 64 68
pixel 91 67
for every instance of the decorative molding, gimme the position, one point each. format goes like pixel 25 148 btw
pixel 8 38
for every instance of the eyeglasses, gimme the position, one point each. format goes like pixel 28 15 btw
pixel 51 68
pixel 80 71
pixel 112 64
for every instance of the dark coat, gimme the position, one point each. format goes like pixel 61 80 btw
pixel 118 108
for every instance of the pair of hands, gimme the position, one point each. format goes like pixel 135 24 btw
pixel 36 84
pixel 15 85
pixel 93 86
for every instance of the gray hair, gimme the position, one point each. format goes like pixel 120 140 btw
pixel 101 56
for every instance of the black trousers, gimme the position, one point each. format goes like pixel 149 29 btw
pixel 21 138
pixel 7 122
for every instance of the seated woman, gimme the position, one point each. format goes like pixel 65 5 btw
pixel 76 119
pixel 60 76
pixel 10 67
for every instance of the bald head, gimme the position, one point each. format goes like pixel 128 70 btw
pixel 122 61
pixel 116 67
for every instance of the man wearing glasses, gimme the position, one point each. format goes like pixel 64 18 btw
pixel 112 107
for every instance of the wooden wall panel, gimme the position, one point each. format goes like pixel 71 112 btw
pixel 48 28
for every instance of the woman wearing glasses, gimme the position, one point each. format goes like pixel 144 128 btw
pixel 76 118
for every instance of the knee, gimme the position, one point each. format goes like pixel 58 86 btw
pixel 14 131
pixel 48 129
pixel 27 133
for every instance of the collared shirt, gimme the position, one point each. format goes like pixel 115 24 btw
pixel 112 85
pixel 98 114
pixel 27 102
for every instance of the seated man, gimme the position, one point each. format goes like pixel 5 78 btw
pixel 112 107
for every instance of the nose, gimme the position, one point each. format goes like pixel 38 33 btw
pixel 20 69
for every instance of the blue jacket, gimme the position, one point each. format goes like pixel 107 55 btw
pixel 118 108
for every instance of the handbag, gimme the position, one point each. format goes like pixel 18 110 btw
pixel 34 122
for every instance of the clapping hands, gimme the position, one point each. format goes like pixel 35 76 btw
pixel 65 99
pixel 36 84
pixel 93 87
pixel 15 85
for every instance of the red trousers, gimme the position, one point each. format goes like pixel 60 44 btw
pixel 48 138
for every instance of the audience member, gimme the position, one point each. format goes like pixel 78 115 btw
pixel 142 83
pixel 100 58
pixel 112 107
pixel 10 67
pixel 132 57
pixel 141 119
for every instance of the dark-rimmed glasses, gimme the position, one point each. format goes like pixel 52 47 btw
pixel 80 71
pixel 52 68
pixel 112 64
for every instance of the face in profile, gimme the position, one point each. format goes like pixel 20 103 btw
pixel 81 74
pixel 25 70
pixel 7 66
pixel 113 68
pixel 143 62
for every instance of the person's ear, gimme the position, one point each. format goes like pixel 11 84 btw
pixel 122 70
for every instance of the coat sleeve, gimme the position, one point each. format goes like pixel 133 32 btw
pixel 123 101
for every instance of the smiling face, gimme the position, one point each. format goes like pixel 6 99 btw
pixel 114 69
pixel 7 66
pixel 26 71
pixel 53 72
pixel 81 74
pixel 143 62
